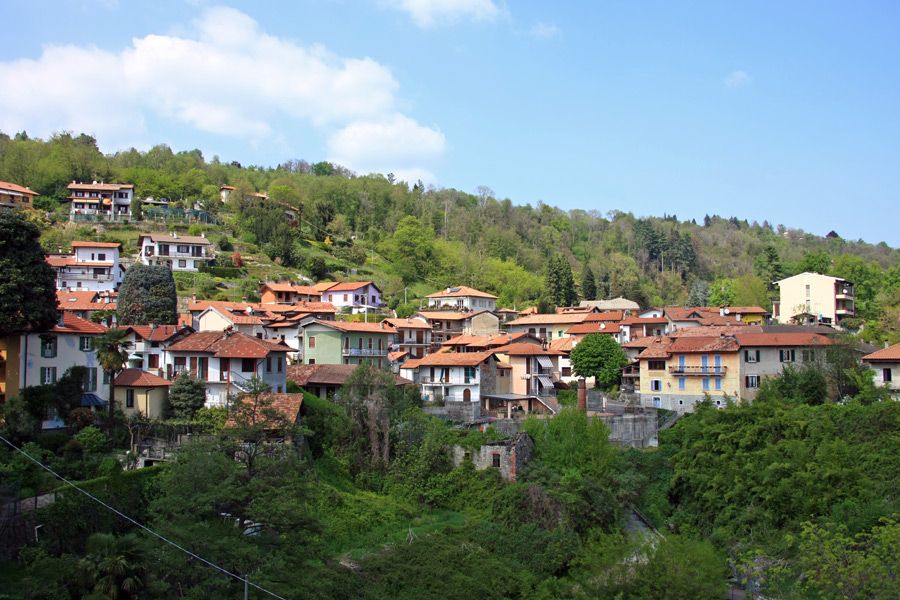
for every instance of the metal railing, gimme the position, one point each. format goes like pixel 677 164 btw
pixel 364 352
pixel 682 370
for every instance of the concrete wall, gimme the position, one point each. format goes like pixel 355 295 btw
pixel 633 430
pixel 455 411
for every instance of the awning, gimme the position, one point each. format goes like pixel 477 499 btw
pixel 545 363
pixel 545 381
pixel 92 400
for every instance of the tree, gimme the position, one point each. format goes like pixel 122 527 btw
pixel 112 352
pixel 147 295
pixel 113 567
pixel 699 294
pixel 588 284
pixel 186 396
pixel 600 357
pixel 413 246
pixel 27 282
pixel 137 208
pixel 560 283
pixel 722 293
pixel 236 260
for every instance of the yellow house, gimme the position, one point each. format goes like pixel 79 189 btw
pixel 677 372
pixel 140 392
pixel 15 196
pixel 811 297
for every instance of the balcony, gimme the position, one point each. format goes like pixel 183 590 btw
pixel 85 276
pixel 448 380
pixel 701 371
pixel 171 254
pixel 364 352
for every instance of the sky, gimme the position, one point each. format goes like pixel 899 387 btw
pixel 786 112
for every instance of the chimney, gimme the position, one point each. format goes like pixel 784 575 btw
pixel 59 249
pixel 244 299
pixel 203 234
pixel 582 395
pixel 194 297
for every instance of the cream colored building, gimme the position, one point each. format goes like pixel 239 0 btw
pixel 814 298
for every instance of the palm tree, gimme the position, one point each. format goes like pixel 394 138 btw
pixel 112 352
pixel 113 566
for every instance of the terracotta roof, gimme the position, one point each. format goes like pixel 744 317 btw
pixel 408 323
pixel 167 238
pixel 325 285
pixel 82 244
pixel 467 339
pixel 12 187
pixel 781 339
pixel 526 349
pixel 233 345
pixel 456 359
pixel 79 296
pixel 58 261
pixel 461 292
pixel 322 374
pixel 448 315
pixel 715 330
pixel 139 378
pixel 562 344
pixel 184 320
pixel 507 311
pixel 553 319
pixel 663 347
pixel 73 324
pixel 641 342
pixel 224 305
pixel 645 321
pixel 395 356
pixel 288 405
pixel 891 353
pixel 100 187
pixel 155 333
pixel 349 286
pixel 291 287
pixel 588 328
pixel 354 326
pixel 613 315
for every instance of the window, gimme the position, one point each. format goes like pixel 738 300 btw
pixel 807 291
pixel 655 385
pixel 90 379
pixel 886 375
pixel 706 383
pixel 718 383
pixel 495 461
pixel 48 375
pixel 183 249
pixel 657 402
pixel 101 257
pixel 48 346
pixel 154 344
pixel 247 365
pixel 182 264
pixel 153 361
pixel 268 364
pixel 279 364
pixel 129 398
pixel 751 381
pixel 567 371
pixel 751 356
pixel 312 361
pixel 470 374
pixel 808 355
pixel 84 343
pixel 656 365
pixel 786 355
pixel 682 383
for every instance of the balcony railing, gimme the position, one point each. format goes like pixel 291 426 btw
pixel 449 380
pixel 171 254
pixel 85 276
pixel 680 370
pixel 364 352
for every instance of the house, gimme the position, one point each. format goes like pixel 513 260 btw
pixel 340 342
pixel 564 347
pixel 507 455
pixel 814 298
pixel 535 369
pixel 42 358
pixel 506 314
pixel 179 253
pixel 90 266
pixel 546 327
pixel 357 296
pixel 677 372
pixel 141 393
pixel 455 377
pixel 623 304
pixel 248 323
pixel 580 330
pixel 413 336
pixel 108 200
pixel 886 364
pixel 226 361
pixel 480 343
pixel 148 344
pixel 325 381
pixel 463 298
pixel 84 303
pixel 635 327
pixel 765 355
pixel 287 293
pixel 447 324
pixel 14 196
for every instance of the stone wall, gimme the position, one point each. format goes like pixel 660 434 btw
pixel 635 430
pixel 460 412
pixel 507 455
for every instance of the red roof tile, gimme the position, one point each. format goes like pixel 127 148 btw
pixel 458 359
pixel 525 349
pixel 891 354
pixel 82 244
pixel 139 378
pixel 781 339
pixel 232 345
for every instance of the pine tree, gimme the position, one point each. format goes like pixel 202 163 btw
pixel 588 285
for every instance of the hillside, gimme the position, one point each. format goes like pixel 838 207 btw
pixel 413 240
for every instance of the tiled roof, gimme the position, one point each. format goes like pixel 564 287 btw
pixel 588 328
pixel 460 292
pixel 155 333
pixel 448 315
pixel 562 344
pixel 224 305
pixel 663 347
pixel 322 374
pixel 73 324
pixel 139 378
pixel 395 356
pixel 645 321
pixel 715 330
pixel 507 311
pixel 525 349
pixel 454 359
pixel 613 315
pixel 82 244
pixel 408 323
pixel 781 339
pixel 232 345
pixel 288 405
pixel 349 286
pixel 12 187
pixel 362 327
pixel 325 285
pixel 58 261
pixel 291 287
pixel 891 353
pixel 100 187
pixel 553 319
pixel 166 238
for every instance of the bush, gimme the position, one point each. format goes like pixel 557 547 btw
pixel 93 439
pixel 225 245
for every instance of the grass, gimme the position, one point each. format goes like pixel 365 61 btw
pixel 375 540
pixel 11 576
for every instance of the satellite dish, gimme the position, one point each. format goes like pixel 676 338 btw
pixel 727 311
pixel 602 325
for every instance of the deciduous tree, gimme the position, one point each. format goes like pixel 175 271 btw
pixel 27 282
pixel 600 357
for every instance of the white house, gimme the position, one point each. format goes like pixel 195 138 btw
pixel 110 200
pixel 92 266
pixel 453 376
pixel 148 344
pixel 886 364
pixel 463 297
pixel 178 252
pixel 358 296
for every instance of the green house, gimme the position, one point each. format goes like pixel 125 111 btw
pixel 342 343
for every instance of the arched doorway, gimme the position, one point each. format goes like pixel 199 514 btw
pixel 467 395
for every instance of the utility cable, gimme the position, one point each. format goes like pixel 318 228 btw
pixel 145 528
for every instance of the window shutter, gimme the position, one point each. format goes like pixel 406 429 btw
pixel 757 356
pixel 746 381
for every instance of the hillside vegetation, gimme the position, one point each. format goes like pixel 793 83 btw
pixel 417 239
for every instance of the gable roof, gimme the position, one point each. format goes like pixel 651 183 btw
pixel 73 324
pixel 181 239
pixel 12 187
pixel 461 291
pixel 452 315
pixel 82 244
pixel 323 374
pixel 140 378
pixel 353 326
pixel 226 344
pixel 664 346
pixel 781 339
pixel 408 323
pixel 155 333
pixel 349 286
pixel 891 354
pixel 454 359
pixel 554 319
pixel 526 349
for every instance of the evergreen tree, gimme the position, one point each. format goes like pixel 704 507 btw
pixel 699 294
pixel 186 396
pixel 147 295
pixel 560 283
pixel 27 282
pixel 588 284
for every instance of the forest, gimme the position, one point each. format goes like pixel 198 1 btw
pixel 424 238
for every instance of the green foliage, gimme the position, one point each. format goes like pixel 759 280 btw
pixel 186 396
pixel 599 356
pixel 27 282
pixel 147 295
pixel 806 384
pixel 559 282
pixel 93 439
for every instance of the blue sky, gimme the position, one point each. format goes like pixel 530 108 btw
pixel 778 111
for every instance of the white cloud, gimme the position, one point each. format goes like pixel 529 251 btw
pixel 226 77
pixel 387 145
pixel 544 31
pixel 737 79
pixel 426 13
